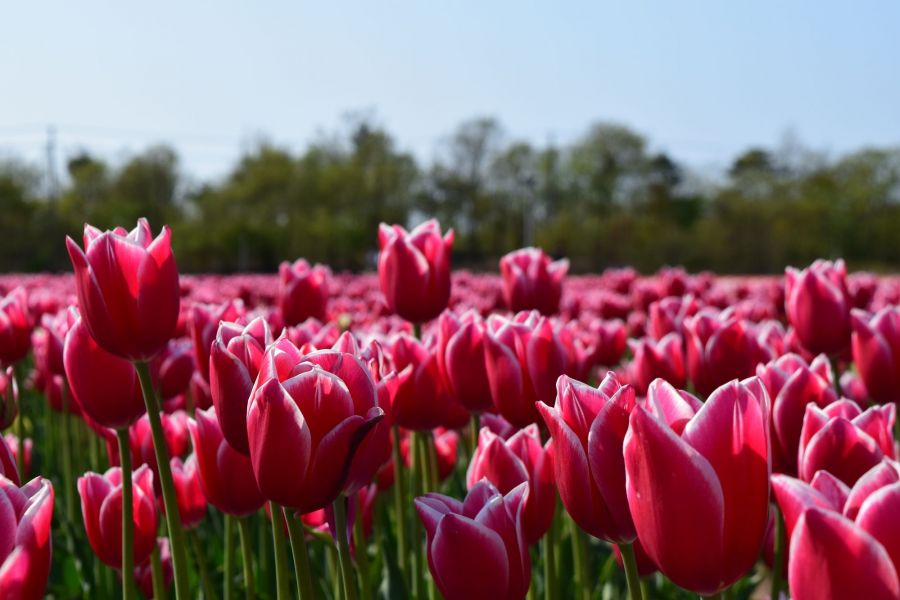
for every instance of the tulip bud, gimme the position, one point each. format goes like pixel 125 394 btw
pixel 15 326
pixel 303 291
pixel 876 350
pixel 698 482
pixel 414 270
pixel 188 491
pixel 481 538
pixel 818 305
pixel 531 281
pixel 101 508
pixel 520 459
pixel 226 475
pixel 26 514
pixel 127 286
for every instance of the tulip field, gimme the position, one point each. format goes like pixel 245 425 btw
pixel 426 433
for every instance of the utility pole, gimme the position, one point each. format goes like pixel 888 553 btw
pixel 52 188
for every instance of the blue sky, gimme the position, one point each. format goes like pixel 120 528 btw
pixel 701 80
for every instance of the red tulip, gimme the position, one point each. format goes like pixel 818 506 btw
pixel 204 322
pixel 524 359
pixel 476 548
pixel 792 384
pixel 303 291
pixel 105 386
pixel 315 411
pixel 101 508
pixel 12 443
pixel 845 440
pixel 127 286
pixel 837 533
pixel 698 484
pixel 414 270
pixel 49 340
pixel 588 427
pixel 460 354
pixel 669 314
pixel 226 475
pixel 721 347
pixel 9 398
pixel 531 281
pixel 143 573
pixel 175 432
pixel 233 365
pixel 422 401
pixel 188 491
pixel 818 305
pixel 876 352
pixel 608 342
pixel 173 368
pixel 8 466
pixel 15 326
pixel 25 520
pixel 662 359
pixel 520 459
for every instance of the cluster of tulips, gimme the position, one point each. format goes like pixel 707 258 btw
pixel 425 434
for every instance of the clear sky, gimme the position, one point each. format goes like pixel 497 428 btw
pixel 701 79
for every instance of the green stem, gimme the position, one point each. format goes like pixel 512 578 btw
pixel 156 571
pixel 434 484
pixel 278 544
pixel 837 376
pixel 779 554
pixel 400 499
pixel 362 557
pixel 68 486
pixel 417 477
pixel 548 545
pixel 631 572
pixel 247 557
pixel 228 566
pixel 205 578
pixel 20 434
pixel 128 589
pixel 580 561
pixel 305 589
pixel 474 427
pixel 340 526
pixel 173 519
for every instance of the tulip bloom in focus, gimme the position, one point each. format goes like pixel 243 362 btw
pixel 818 306
pixel 698 482
pixel 101 508
pixel 531 281
pixel 845 440
pixel 520 459
pixel 792 384
pixel 127 284
pixel 234 361
pixel 460 355
pixel 307 419
pixel 414 270
pixel 476 548
pixel 588 427
pixel 25 519
pixel 105 386
pixel 226 475
pixel 844 542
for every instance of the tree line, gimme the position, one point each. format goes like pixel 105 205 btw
pixel 605 199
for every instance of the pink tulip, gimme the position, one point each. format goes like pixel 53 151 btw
pixel 303 291
pixel 531 281
pixel 698 482
pixel 26 514
pixel 818 305
pixel 507 463
pixel 588 427
pixel 876 352
pixel 476 548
